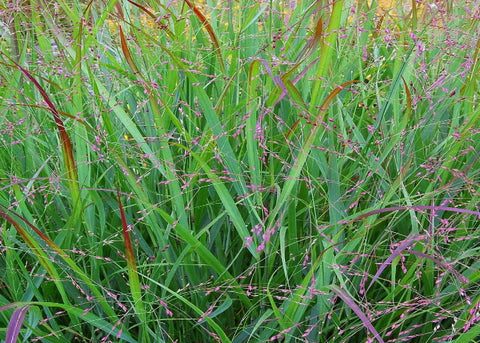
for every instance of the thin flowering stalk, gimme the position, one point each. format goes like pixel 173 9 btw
pixel 65 114
pixel 417 208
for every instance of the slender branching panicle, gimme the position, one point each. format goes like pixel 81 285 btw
pixel 239 171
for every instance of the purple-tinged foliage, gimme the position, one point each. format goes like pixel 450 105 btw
pixel 255 182
pixel 397 252
pixel 351 303
pixel 15 324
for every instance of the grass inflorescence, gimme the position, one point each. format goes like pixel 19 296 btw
pixel 239 171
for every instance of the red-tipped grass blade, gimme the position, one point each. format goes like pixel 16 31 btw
pixel 210 31
pixel 131 264
pixel 67 149
pixel 127 54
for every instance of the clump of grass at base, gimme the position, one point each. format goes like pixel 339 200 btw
pixel 243 172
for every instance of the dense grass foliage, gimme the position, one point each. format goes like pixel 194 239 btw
pixel 239 171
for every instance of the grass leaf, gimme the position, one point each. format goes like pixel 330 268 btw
pixel 15 324
pixel 351 303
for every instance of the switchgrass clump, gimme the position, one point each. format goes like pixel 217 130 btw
pixel 239 171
